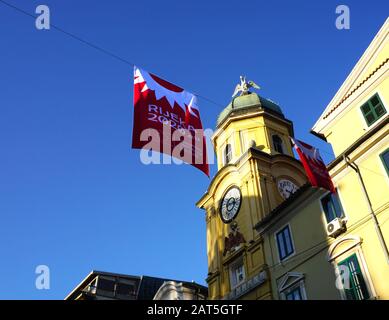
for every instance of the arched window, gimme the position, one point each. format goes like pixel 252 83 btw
pixel 227 154
pixel 277 144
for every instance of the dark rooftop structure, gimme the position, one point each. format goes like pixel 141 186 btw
pixel 99 285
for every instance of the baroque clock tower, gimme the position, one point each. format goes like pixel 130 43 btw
pixel 257 171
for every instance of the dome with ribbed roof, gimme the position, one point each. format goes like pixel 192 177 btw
pixel 246 103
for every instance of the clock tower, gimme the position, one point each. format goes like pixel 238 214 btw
pixel 257 171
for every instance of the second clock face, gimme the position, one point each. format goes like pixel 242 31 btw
pixel 230 204
pixel 286 188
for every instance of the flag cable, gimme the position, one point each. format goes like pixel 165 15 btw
pixel 115 56
pixel 96 47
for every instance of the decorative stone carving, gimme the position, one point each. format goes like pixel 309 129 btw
pixel 234 239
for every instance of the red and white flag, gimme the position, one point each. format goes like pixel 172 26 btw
pixel 167 120
pixel 314 165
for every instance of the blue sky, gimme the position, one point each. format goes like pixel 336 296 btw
pixel 73 195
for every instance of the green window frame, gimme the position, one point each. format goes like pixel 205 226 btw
pixel 385 160
pixel 373 109
pixel 358 289
pixel 332 207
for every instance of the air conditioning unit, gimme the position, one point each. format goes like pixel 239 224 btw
pixel 335 227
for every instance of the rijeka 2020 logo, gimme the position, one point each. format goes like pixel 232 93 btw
pixel 167 120
pixel 156 114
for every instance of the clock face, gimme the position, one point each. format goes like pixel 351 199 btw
pixel 286 188
pixel 230 204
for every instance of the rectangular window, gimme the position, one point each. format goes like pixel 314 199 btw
pixel 284 243
pixel 277 144
pixel 294 294
pixel 373 109
pixel 332 207
pixel 125 289
pixel 355 287
pixel 237 274
pixel 106 285
pixel 243 144
pixel 226 154
pixel 385 159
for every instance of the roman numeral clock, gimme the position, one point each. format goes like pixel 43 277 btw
pixel 255 160
pixel 286 188
pixel 230 204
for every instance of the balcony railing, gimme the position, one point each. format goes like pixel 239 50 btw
pixel 246 286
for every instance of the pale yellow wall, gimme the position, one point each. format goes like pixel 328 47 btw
pixel 257 179
pixel 217 230
pixel 307 225
pixel 378 58
pixel 357 211
pixel 239 133
pixel 368 78
pixel 375 178
pixel 351 125
pixel 311 243
pixel 307 222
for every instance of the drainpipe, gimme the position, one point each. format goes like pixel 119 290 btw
pixel 372 213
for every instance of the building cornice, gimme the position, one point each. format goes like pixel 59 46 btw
pixel 277 213
pixel 359 142
pixel 355 88
pixel 349 87
pixel 264 113
pixel 234 167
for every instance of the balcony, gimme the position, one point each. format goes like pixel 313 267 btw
pixel 246 286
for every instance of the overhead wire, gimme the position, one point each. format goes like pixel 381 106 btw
pixel 128 62
pixel 94 46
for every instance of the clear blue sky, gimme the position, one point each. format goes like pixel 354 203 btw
pixel 73 195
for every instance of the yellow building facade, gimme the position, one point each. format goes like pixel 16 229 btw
pixel 270 234
pixel 355 123
pixel 256 169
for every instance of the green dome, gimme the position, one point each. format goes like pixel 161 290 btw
pixel 246 103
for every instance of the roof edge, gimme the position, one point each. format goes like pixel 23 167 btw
pixel 356 71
